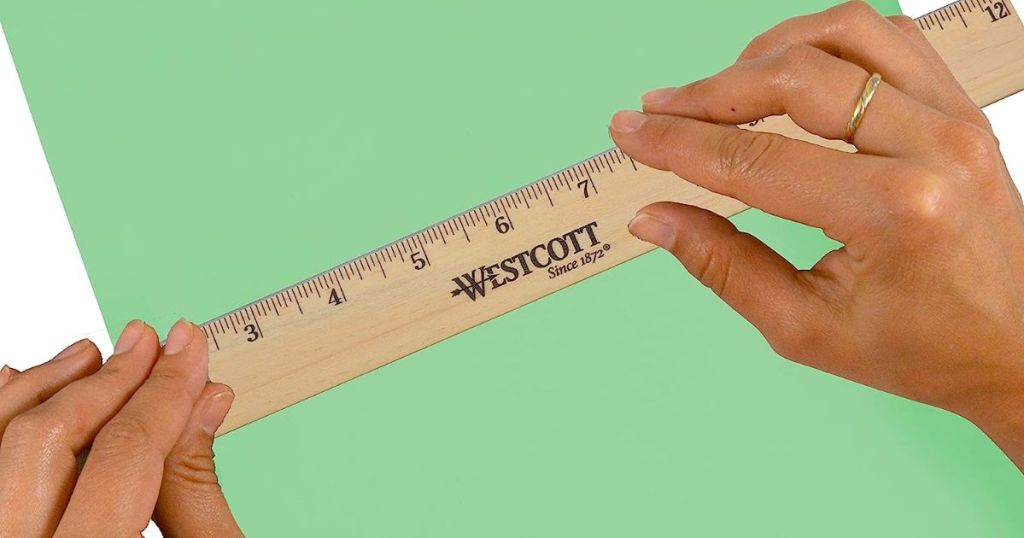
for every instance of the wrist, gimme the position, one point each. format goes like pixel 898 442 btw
pixel 1000 415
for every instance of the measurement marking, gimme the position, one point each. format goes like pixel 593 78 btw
pixel 259 329
pixel 297 303
pixel 216 344
pixel 336 283
pixel 423 249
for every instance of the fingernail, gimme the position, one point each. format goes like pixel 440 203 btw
pixel 72 350
pixel 216 408
pixel 179 338
pixel 5 375
pixel 652 230
pixel 628 121
pixel 657 97
pixel 129 336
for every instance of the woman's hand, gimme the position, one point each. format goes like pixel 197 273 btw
pixel 926 297
pixel 146 419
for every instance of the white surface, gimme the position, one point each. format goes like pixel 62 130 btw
pixel 916 8
pixel 47 301
pixel 1007 117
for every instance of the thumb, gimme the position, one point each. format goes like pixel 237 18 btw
pixel 191 502
pixel 748 275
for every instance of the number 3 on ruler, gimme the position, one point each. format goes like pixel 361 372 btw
pixel 252 333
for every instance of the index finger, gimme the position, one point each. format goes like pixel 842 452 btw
pixel 119 484
pixel 788 178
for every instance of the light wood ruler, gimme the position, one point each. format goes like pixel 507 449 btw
pixel 509 251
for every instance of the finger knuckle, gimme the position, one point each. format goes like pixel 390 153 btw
pixel 168 379
pixel 794 60
pixel 746 153
pixel 970 144
pixel 31 428
pixel 168 376
pixel 854 13
pixel 976 116
pixel 798 341
pixel 193 467
pixel 714 270
pixel 923 203
pixel 127 435
pixel 112 375
pixel 759 46
pixel 662 135
pixel 904 23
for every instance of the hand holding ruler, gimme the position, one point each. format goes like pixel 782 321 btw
pixel 514 249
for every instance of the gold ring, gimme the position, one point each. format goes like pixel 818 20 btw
pixel 862 105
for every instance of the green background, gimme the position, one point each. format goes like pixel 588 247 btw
pixel 197 147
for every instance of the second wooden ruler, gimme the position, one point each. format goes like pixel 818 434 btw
pixel 512 250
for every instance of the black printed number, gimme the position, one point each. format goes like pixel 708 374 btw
pixel 585 185
pixel 503 224
pixel 252 334
pixel 335 299
pixel 998 11
pixel 419 261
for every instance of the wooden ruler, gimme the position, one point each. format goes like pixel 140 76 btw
pixel 509 251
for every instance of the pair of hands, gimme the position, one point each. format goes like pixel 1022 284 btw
pixel 924 300
pixel 146 420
